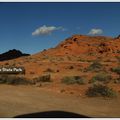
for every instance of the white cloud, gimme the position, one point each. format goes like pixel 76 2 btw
pixel 45 30
pixel 95 31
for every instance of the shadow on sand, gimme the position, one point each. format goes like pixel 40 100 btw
pixel 52 114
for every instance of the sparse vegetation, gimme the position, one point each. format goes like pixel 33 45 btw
pixel 81 60
pixel 91 54
pixel 73 80
pixel 99 90
pixel 13 80
pixel 117 81
pixel 43 78
pixel 95 66
pixel 116 70
pixel 49 70
pixel 101 77
pixel 70 67
pixel 45 57
pixel 118 51
pixel 88 60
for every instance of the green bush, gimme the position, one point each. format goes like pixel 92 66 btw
pixel 100 90
pixel 95 66
pixel 14 80
pixel 73 80
pixel 101 77
pixel 43 78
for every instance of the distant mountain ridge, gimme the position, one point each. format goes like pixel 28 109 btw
pixel 12 54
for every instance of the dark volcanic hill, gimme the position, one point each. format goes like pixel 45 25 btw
pixel 12 54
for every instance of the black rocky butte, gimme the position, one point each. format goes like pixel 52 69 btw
pixel 12 54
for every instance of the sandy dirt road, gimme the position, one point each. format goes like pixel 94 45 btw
pixel 18 100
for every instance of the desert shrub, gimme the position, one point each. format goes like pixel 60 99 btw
pixel 68 80
pixel 3 79
pixel 14 80
pixel 70 67
pixel 73 80
pixel 101 77
pixel 88 60
pixel 49 70
pixel 43 78
pixel 117 81
pixel 116 70
pixel 98 90
pixel 118 51
pixel 95 66
pixel 82 60
pixel 91 54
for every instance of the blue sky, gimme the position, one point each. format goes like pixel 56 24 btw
pixel 32 27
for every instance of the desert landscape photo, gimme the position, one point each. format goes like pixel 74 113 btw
pixel 59 60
